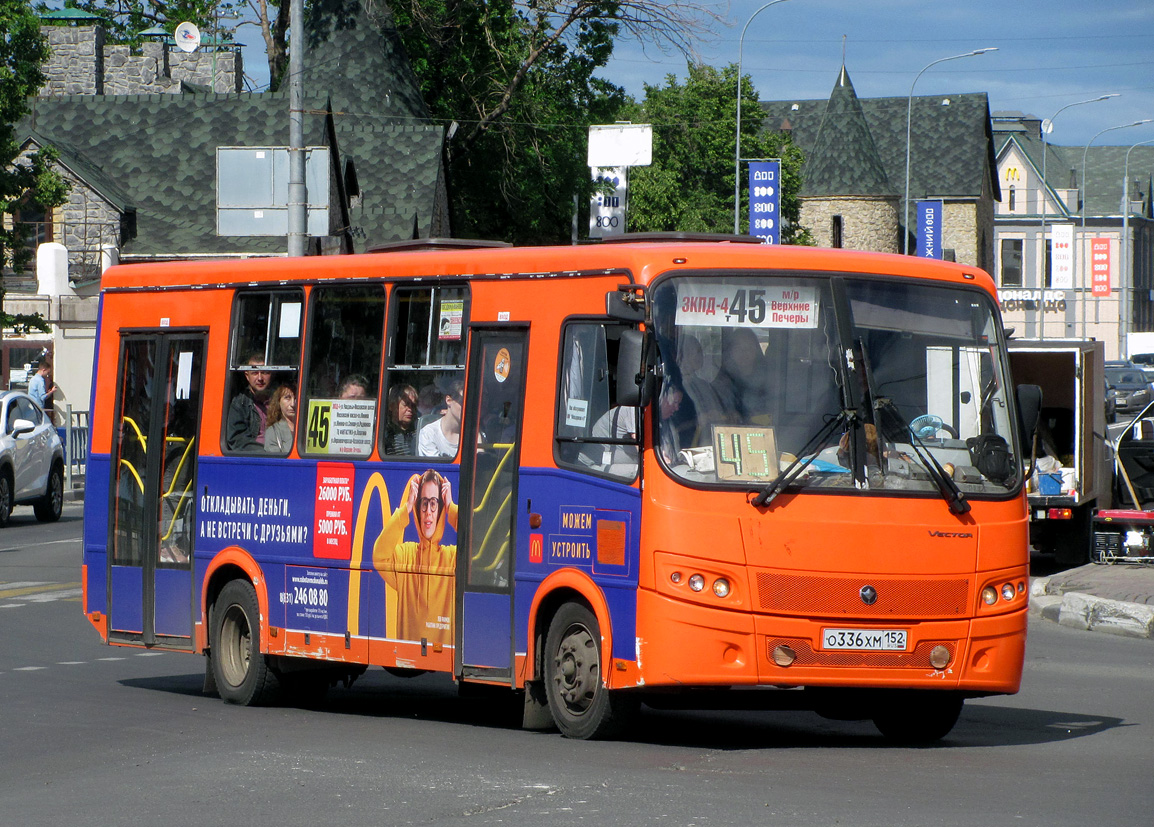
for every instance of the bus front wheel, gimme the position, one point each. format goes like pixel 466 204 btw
pixel 241 671
pixel 919 717
pixel 581 705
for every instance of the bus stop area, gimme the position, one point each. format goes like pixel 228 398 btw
pixel 1116 599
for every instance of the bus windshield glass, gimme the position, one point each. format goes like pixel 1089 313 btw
pixel 834 383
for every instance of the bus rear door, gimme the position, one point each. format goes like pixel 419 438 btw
pixel 490 459
pixel 153 489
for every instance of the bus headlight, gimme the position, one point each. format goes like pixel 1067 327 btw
pixel 1008 591
pixel 721 587
pixel 696 582
pixel 989 595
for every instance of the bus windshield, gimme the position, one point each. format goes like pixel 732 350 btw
pixel 835 383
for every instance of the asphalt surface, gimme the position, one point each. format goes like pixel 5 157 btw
pixel 1117 599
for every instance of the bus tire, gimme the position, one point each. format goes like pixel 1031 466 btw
pixel 49 507
pixel 581 705
pixel 242 672
pixel 918 717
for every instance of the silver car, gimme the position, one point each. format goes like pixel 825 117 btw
pixel 31 459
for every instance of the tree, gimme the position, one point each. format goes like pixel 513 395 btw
pixel 689 186
pixel 31 178
pixel 518 81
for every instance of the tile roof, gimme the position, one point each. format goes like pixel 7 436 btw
pixel 158 152
pixel 843 159
pixel 951 148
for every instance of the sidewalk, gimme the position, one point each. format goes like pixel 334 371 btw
pixel 1116 599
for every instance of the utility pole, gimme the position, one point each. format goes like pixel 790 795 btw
pixel 298 197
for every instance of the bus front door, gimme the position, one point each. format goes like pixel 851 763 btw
pixel 151 596
pixel 490 458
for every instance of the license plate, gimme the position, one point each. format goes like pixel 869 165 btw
pixel 870 640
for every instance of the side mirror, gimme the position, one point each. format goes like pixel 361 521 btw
pixel 21 427
pixel 634 379
pixel 626 304
pixel 1029 411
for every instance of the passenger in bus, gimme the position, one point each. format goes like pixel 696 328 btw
pixel 401 427
pixel 248 411
pixel 282 420
pixel 619 422
pixel 354 386
pixel 441 437
pixel 742 382
pixel 421 572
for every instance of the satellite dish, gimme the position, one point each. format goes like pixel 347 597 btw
pixel 1047 125
pixel 187 37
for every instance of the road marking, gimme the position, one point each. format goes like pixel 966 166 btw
pixel 88 662
pixel 38 545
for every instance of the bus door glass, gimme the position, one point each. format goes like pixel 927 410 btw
pixel 153 489
pixel 488 510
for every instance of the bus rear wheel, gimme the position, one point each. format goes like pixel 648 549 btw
pixel 918 717
pixel 581 705
pixel 241 671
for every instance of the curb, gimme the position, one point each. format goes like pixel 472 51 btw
pixel 1076 610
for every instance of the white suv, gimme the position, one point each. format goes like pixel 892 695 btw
pixel 31 459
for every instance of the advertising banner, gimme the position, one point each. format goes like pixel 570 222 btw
pixel 930 229
pixel 607 206
pixel 1062 256
pixel 765 200
pixel 1100 266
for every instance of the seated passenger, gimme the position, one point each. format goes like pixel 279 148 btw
pixel 282 420
pixel 354 386
pixel 441 437
pixel 248 411
pixel 401 426
pixel 619 422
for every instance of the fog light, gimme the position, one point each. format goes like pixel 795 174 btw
pixel 721 587
pixel 675 577
pixel 989 595
pixel 783 655
pixel 1008 591
pixel 1021 587
pixel 696 582
pixel 939 657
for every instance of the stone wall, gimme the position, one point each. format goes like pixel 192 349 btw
pixel 81 64
pixel 868 223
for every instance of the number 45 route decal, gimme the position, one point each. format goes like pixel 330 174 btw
pixel 722 304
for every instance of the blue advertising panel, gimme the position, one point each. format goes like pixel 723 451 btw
pixel 930 229
pixel 765 200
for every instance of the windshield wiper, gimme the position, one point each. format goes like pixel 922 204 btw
pixel 895 427
pixel 807 456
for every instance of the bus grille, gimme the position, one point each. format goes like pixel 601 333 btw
pixel 821 595
pixel 806 656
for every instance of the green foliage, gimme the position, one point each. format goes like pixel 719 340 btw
pixel 523 94
pixel 689 187
pixel 22 51
pixel 124 20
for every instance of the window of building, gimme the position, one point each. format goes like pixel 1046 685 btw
pixel 1011 262
pixel 266 349
pixel 426 372
pixel 1013 199
pixel 339 406
pixel 835 232
pixel 1049 265
pixel 594 433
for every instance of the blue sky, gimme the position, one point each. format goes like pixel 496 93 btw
pixel 1050 53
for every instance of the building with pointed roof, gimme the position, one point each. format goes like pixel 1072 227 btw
pixel 855 168
pixel 1104 289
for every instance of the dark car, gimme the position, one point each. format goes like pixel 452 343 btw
pixel 1111 403
pixel 1132 392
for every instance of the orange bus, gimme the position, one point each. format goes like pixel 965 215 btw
pixel 669 470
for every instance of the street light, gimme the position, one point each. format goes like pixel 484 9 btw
pixel 737 152
pixel 1126 268
pixel 1085 193
pixel 1047 126
pixel 909 122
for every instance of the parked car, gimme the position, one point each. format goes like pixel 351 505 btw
pixel 1111 403
pixel 31 459
pixel 1132 390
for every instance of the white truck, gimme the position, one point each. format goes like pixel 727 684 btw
pixel 1074 476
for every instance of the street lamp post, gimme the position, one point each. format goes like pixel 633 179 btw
pixel 737 152
pixel 1047 126
pixel 909 123
pixel 1126 268
pixel 1085 193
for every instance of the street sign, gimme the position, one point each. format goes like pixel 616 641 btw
pixel 930 229
pixel 607 206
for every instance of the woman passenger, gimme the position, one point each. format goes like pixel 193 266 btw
pixel 282 421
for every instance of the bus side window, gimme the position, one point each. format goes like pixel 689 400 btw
pixel 594 433
pixel 266 346
pixel 339 402
pixel 426 366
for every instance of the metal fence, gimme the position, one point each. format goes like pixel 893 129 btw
pixel 74 436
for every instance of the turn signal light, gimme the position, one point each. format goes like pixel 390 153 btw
pixel 1060 513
